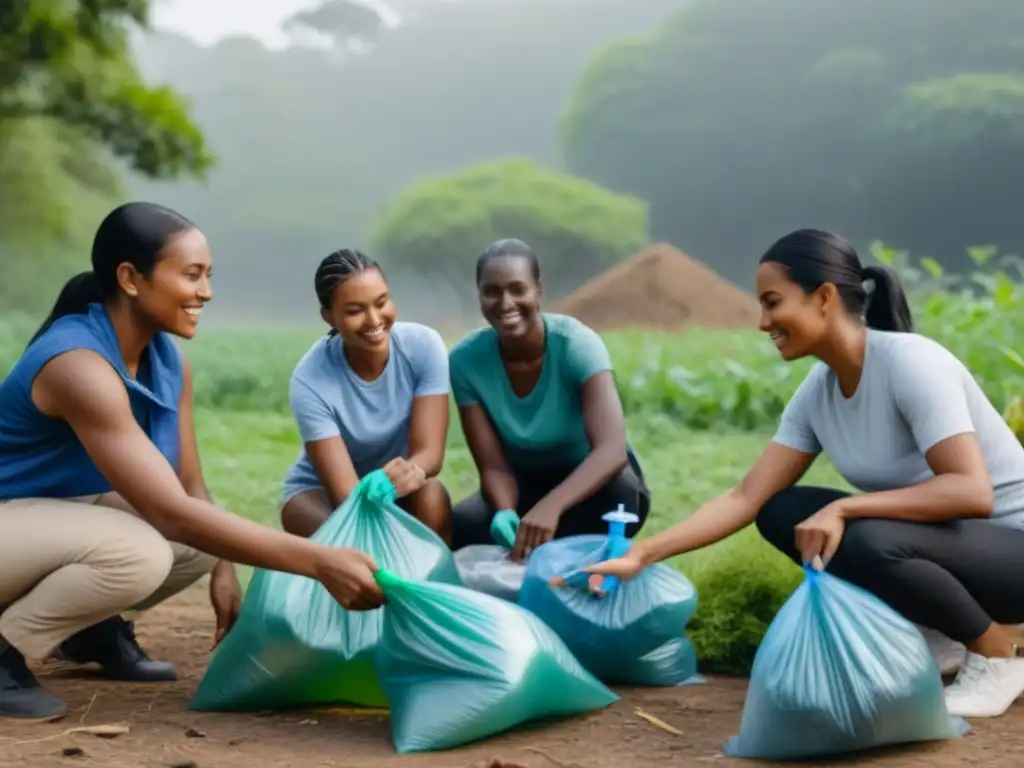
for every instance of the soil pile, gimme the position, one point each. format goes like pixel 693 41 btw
pixel 660 288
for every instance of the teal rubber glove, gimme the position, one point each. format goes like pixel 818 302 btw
pixel 504 527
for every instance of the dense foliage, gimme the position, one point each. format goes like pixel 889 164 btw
pixel 741 119
pixel 74 111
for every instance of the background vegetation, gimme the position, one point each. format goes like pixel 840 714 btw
pixel 584 126
pixel 700 407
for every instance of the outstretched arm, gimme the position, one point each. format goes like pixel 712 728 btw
pixel 225 591
pixel 776 469
pixel 82 389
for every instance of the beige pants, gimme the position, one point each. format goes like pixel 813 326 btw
pixel 66 564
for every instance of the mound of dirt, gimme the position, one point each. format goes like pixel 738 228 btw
pixel 660 288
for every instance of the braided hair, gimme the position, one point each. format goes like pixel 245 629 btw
pixel 335 269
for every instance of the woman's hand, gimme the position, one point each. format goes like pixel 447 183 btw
pixel 536 527
pixel 625 567
pixel 821 534
pixel 405 475
pixel 348 575
pixel 225 597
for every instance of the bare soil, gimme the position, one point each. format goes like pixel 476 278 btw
pixel 163 733
pixel 660 288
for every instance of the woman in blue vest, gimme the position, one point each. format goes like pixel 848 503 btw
pixel 541 414
pixel 103 507
pixel 372 394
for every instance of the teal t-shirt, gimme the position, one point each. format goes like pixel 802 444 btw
pixel 545 429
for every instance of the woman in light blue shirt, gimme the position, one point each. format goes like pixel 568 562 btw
pixel 372 394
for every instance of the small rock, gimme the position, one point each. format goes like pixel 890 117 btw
pixel 184 764
pixel 234 742
pixel 193 733
pixel 73 752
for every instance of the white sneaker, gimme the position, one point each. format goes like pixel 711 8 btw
pixel 985 687
pixel 949 654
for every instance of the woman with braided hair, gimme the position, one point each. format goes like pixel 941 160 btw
pixel 371 394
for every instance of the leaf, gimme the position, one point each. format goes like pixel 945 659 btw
pixel 932 267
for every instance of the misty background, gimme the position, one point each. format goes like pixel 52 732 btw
pixel 423 129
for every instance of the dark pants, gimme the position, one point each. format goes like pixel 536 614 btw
pixel 956 577
pixel 471 518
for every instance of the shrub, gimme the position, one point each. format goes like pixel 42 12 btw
pixel 440 225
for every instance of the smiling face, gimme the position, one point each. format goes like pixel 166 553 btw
pixel 509 295
pixel 362 311
pixel 796 320
pixel 172 296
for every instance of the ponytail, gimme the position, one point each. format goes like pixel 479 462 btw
pixel 74 299
pixel 887 308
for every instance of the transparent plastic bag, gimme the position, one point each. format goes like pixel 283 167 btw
pixel 839 671
pixel 293 644
pixel 487 568
pixel 634 633
pixel 458 666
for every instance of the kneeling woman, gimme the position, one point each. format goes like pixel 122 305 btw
pixel 372 394
pixel 541 414
pixel 103 507
pixel 937 529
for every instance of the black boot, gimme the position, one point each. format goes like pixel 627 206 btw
pixel 21 695
pixel 113 646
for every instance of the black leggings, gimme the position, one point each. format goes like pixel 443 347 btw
pixel 956 577
pixel 471 518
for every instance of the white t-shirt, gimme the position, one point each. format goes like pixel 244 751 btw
pixel 913 394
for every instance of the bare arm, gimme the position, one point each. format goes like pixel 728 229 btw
pixel 776 469
pixel 333 465
pixel 961 488
pixel 190 470
pixel 606 429
pixel 81 388
pixel 428 432
pixel 497 483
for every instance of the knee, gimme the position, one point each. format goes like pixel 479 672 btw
pixel 867 541
pixel 138 566
pixel 431 503
pixel 773 519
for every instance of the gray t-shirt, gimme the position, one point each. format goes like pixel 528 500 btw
pixel 913 394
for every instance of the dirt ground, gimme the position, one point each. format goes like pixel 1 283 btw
pixel 163 733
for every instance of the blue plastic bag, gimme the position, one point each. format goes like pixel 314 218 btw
pixel 635 633
pixel 293 644
pixel 839 671
pixel 459 665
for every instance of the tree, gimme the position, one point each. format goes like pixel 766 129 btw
pixel 70 62
pixel 439 226
pixel 739 120
pixel 343 21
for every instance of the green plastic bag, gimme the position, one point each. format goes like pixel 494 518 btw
pixel 459 665
pixel 293 644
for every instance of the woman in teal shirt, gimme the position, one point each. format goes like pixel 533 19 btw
pixel 541 414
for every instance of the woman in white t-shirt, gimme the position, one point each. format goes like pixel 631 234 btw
pixel 936 529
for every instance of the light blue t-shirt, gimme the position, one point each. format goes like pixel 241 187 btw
pixel 372 418
pixel 913 393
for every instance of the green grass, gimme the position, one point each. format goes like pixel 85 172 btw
pixel 741 582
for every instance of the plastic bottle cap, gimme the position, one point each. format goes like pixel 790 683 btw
pixel 620 515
